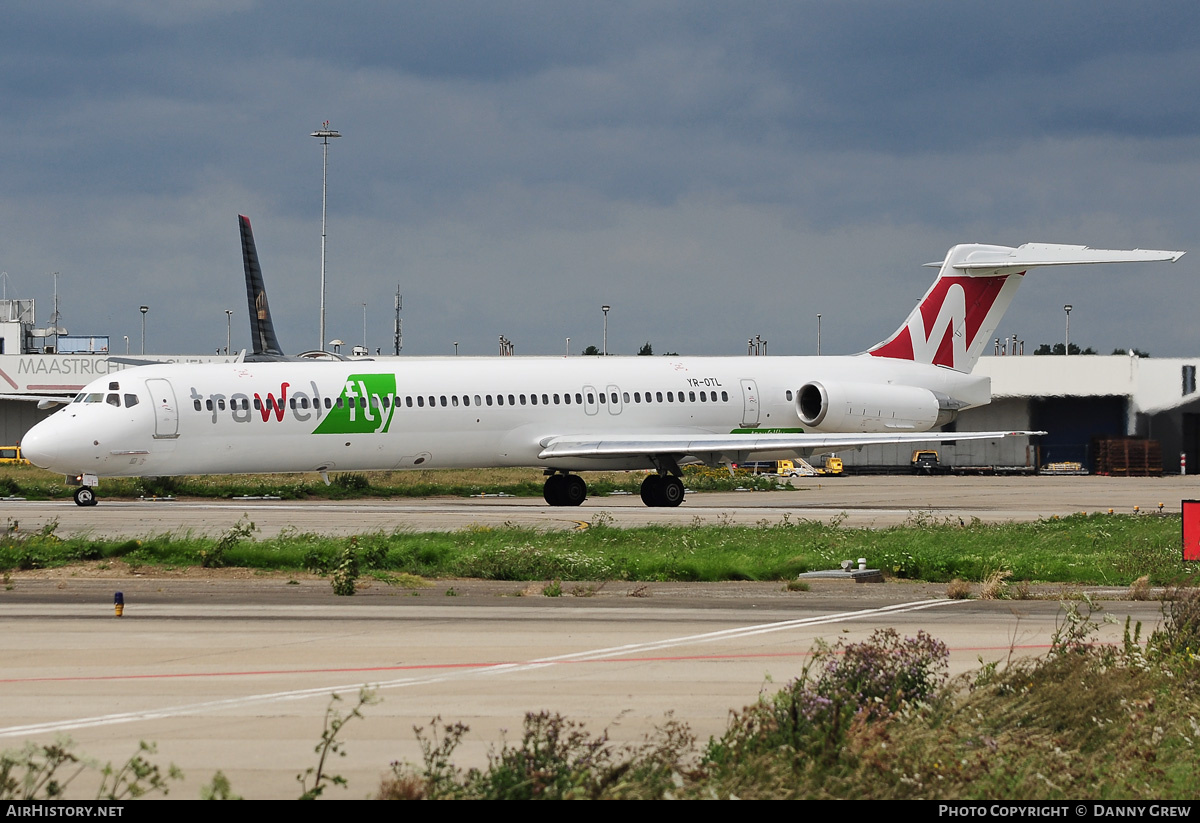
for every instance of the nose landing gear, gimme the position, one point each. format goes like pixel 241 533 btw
pixel 85 496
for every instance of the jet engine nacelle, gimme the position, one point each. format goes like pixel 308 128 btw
pixel 872 407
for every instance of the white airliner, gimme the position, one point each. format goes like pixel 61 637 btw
pixel 565 415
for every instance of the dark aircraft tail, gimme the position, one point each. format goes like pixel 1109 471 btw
pixel 262 330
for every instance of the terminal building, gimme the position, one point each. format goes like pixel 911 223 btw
pixel 38 364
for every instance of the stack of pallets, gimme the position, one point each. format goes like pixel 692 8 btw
pixel 1127 457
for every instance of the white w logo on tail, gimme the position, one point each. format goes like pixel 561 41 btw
pixel 952 323
pixel 951 317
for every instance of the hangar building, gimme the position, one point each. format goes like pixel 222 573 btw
pixel 1075 399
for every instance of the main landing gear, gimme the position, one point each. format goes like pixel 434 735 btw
pixel 85 496
pixel 662 490
pixel 658 490
pixel 564 490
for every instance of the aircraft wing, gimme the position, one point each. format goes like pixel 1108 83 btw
pixel 722 448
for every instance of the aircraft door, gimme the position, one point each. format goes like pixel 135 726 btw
pixel 614 399
pixel 749 404
pixel 166 411
pixel 590 404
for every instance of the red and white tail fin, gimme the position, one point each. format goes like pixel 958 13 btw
pixel 955 320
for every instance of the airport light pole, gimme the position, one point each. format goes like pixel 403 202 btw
pixel 143 310
pixel 456 348
pixel 126 344
pixel 605 310
pixel 568 347
pixel 228 328
pixel 818 334
pixel 325 134
pixel 1067 342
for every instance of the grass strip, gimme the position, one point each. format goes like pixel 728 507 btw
pixel 1090 549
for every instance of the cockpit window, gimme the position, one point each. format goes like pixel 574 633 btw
pixel 131 400
pixel 113 400
pixel 78 398
pixel 95 397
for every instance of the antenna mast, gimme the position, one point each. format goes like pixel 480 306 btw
pixel 398 329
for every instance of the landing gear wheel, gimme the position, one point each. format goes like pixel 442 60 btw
pixel 555 489
pixel 672 492
pixel 652 490
pixel 574 491
pixel 84 496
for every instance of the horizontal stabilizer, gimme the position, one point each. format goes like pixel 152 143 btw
pixel 1032 255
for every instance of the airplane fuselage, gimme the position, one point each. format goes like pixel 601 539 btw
pixel 464 412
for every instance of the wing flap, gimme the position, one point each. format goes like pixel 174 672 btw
pixel 748 445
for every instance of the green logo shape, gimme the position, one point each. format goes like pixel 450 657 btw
pixel 349 415
pixel 767 431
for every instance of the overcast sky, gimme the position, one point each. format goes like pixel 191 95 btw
pixel 711 170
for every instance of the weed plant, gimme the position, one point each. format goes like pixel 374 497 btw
pixel 878 720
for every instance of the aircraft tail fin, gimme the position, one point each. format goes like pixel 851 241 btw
pixel 265 346
pixel 955 320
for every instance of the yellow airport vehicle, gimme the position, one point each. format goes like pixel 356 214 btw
pixel 11 455
pixel 925 461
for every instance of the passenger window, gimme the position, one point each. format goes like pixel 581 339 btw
pixel 658 396
pixel 488 398
pixel 637 397
pixel 454 400
pixel 692 396
pixel 567 399
pixel 670 397
pixel 545 400
pixel 420 401
pixel 196 405
pixel 625 395
pixel 556 399
pixel 578 398
pixel 499 400
pixel 788 394
pixel 603 397
pixel 725 396
pixel 477 400
pixel 220 403
pixel 512 401
pixel 591 398
pixel 408 401
pixel 532 399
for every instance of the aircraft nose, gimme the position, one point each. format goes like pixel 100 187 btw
pixel 40 446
